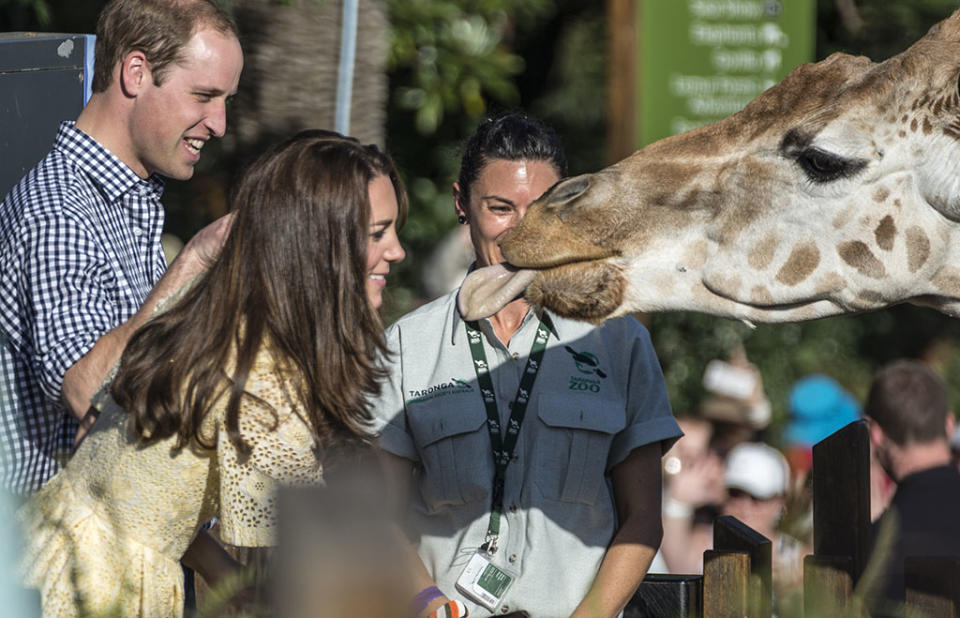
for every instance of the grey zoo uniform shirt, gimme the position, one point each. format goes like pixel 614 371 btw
pixel 598 395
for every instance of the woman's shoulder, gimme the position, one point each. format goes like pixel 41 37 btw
pixel 426 322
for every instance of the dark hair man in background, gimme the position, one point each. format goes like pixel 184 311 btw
pixel 909 429
pixel 80 234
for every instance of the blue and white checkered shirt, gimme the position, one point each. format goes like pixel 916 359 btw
pixel 79 252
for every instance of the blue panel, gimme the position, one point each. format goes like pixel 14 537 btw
pixel 88 67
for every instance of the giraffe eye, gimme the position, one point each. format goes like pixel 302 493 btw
pixel 822 166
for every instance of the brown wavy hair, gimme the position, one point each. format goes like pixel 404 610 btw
pixel 158 28
pixel 292 272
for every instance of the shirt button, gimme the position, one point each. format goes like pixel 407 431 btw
pixel 512 558
pixel 137 231
pixel 504 609
pixel 516 356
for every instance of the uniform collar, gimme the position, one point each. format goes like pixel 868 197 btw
pixel 553 321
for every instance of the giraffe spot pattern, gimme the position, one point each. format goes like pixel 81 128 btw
pixel 918 248
pixel 947 281
pixel 729 284
pixel 830 284
pixel 952 130
pixel 938 106
pixel 695 255
pixel 760 295
pixel 885 233
pixel 872 297
pixel 803 260
pixel 762 253
pixel 858 255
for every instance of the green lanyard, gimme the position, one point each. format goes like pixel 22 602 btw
pixel 503 447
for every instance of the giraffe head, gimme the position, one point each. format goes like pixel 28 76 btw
pixel 835 191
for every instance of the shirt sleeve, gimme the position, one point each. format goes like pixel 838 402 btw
pixel 389 409
pixel 64 290
pixel 649 417
pixel 283 453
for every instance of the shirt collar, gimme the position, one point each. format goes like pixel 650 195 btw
pixel 553 321
pixel 104 168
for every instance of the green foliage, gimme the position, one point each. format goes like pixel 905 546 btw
pixel 38 10
pixel 452 56
pixel 877 28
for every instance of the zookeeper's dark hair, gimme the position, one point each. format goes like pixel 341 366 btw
pixel 514 136
pixel 291 275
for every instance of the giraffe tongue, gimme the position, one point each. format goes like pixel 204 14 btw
pixel 487 290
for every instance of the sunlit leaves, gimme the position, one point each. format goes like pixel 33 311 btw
pixel 452 57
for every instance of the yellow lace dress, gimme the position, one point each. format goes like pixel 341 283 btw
pixel 105 535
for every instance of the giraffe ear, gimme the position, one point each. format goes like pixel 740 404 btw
pixel 568 189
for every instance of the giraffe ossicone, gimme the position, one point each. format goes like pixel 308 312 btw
pixel 835 191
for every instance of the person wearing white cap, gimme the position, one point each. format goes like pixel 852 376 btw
pixel 757 477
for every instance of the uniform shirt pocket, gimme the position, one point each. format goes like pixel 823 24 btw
pixel 454 449
pixel 570 454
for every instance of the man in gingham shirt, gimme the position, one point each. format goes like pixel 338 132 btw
pixel 80 253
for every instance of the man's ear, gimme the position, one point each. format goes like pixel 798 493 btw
pixel 951 424
pixel 876 432
pixel 134 73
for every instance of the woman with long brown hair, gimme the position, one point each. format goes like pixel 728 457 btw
pixel 250 379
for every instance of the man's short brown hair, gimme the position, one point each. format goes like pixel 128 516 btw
pixel 909 402
pixel 158 28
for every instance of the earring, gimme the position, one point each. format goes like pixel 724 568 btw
pixel 461 219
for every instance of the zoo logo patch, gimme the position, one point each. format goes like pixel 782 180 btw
pixel 587 364
pixel 455 385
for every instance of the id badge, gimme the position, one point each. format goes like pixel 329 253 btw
pixel 484 583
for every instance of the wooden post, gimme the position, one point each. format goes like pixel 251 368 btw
pixel 841 520
pixel 932 586
pixel 726 584
pixel 667 596
pixel 827 585
pixel 730 534
pixel 841 496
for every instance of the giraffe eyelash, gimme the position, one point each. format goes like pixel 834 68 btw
pixel 821 166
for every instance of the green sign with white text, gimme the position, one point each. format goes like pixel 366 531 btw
pixel 702 60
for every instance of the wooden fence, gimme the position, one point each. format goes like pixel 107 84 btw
pixel 736 578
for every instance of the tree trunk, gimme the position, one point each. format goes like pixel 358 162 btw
pixel 289 80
